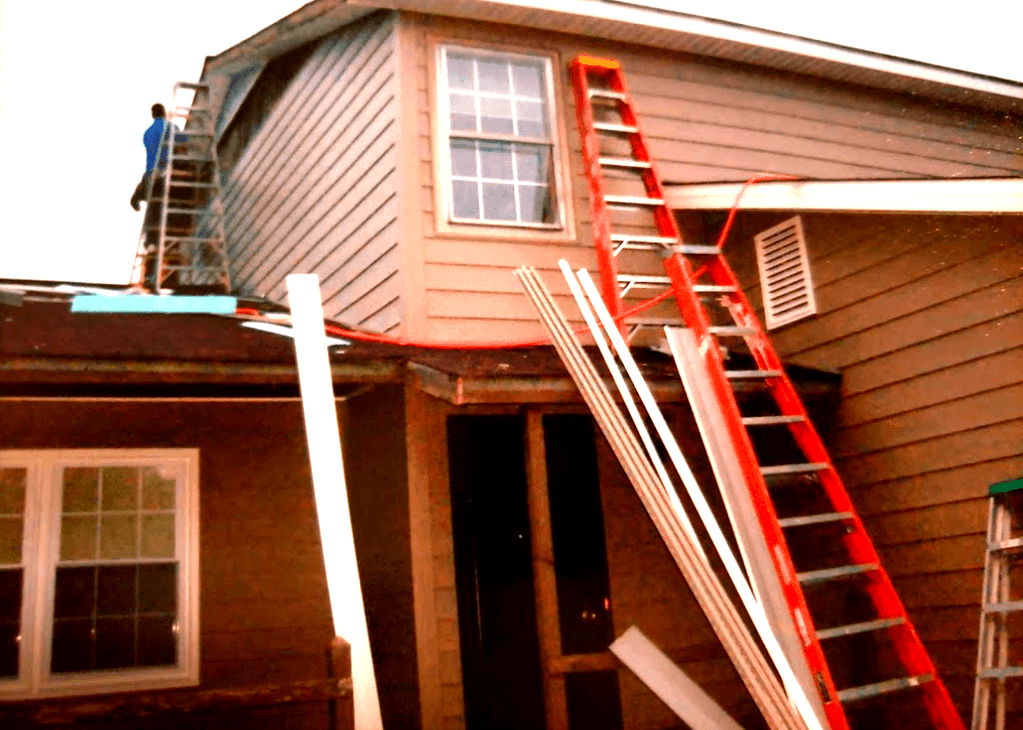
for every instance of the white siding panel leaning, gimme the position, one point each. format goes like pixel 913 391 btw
pixel 785 273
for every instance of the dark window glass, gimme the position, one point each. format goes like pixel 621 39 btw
pixel 75 592
pixel 116 592
pixel 10 621
pixel 158 643
pixel 72 645
pixel 158 588
pixel 115 642
pixel 577 526
pixel 594 702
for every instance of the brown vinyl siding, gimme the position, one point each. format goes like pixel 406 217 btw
pixel 315 190
pixel 922 315
pixel 705 121
pixel 265 616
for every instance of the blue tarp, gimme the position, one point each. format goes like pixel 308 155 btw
pixel 146 304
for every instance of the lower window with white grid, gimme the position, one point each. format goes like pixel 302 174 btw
pixel 98 571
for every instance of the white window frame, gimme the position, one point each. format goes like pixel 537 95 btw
pixel 40 552
pixel 556 142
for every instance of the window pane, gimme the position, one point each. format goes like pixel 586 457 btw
pixel 158 536
pixel 10 621
pixel 11 529
pixel 115 642
pixel 120 488
pixel 535 204
pixel 72 645
pixel 495 116
pixel 158 588
pixel 463 158
pixel 533 162
pixel 12 490
pixel 496 160
pixel 463 112
pixel 116 587
pixel 528 80
pixel 80 489
pixel 498 202
pixel 459 72
pixel 158 643
pixel 493 76
pixel 529 117
pixel 75 592
pixel 78 538
pixel 465 196
pixel 157 490
pixel 118 536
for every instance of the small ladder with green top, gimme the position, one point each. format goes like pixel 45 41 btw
pixel 999 606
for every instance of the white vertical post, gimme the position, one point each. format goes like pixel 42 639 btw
pixel 330 492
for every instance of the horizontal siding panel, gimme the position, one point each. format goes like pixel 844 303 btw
pixel 965 345
pixel 982 444
pixel 488 305
pixel 980 306
pixel 864 141
pixel 459 329
pixel 353 200
pixel 951 484
pixel 348 146
pixel 922 279
pixel 930 523
pixel 312 126
pixel 934 556
pixel 506 254
pixel 950 588
pixel 956 623
pixel 957 381
pixel 982 409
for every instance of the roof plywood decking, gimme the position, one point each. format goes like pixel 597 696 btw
pixel 315 190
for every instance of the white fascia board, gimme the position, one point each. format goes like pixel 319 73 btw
pixel 665 27
pixel 990 195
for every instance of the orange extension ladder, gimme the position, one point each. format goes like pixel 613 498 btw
pixel 601 81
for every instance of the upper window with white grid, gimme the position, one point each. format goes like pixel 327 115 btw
pixel 500 135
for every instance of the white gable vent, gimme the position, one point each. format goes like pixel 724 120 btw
pixel 785 273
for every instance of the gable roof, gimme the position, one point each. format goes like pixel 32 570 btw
pixel 637 22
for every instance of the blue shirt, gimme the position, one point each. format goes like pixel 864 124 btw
pixel 151 139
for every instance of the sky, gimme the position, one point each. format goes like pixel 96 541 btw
pixel 77 80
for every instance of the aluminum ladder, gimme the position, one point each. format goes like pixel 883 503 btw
pixel 1004 551
pixel 714 307
pixel 182 244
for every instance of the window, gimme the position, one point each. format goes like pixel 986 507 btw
pixel 98 571
pixel 501 159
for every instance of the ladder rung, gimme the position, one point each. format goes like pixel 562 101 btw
pixel 188 211
pixel 614 128
pixel 731 331
pixel 691 250
pixel 812 577
pixel 192 239
pixel 1008 607
pixel 752 374
pixel 714 288
pixel 770 420
pixel 1006 545
pixel 781 469
pixel 817 519
pixel 624 162
pixel 860 628
pixel 639 280
pixel 1001 672
pixel 873 690
pixel 605 94
pixel 633 201
pixel 181 184
pixel 656 322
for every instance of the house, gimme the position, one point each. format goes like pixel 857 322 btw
pixel 501 548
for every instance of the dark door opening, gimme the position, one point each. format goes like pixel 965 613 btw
pixel 501 673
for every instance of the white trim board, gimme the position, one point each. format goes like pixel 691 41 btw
pixel 988 195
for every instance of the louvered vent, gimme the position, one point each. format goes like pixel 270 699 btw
pixel 785 273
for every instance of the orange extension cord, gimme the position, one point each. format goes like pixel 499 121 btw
pixel 507 344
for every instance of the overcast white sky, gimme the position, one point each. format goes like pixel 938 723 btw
pixel 77 79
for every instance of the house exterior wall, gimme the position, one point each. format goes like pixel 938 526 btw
pixel 315 189
pixel 265 616
pixel 923 316
pixel 704 121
